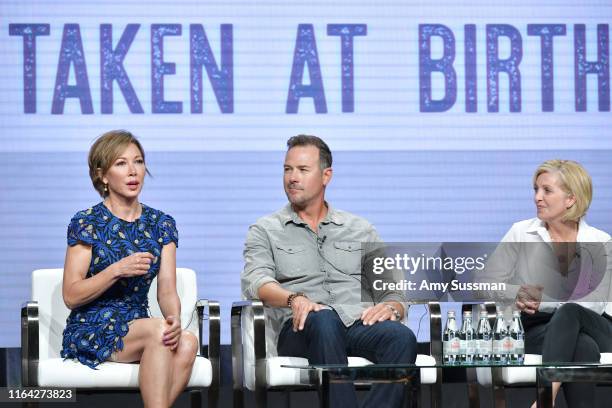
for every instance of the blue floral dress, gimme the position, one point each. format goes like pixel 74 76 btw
pixel 95 330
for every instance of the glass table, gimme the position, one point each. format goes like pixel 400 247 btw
pixel 409 374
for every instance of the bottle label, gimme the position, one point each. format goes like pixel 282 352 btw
pixel 519 346
pixel 451 346
pixel 507 345
pixel 484 347
pixel 467 347
pixel 498 346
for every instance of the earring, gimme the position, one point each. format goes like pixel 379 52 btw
pixel 106 188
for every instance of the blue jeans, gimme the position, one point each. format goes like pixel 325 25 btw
pixel 325 340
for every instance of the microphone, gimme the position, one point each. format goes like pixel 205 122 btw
pixel 320 240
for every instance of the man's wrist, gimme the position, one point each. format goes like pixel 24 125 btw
pixel 291 298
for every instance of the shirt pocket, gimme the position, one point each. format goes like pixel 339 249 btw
pixel 291 260
pixel 347 256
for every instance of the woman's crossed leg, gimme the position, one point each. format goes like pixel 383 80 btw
pixel 164 372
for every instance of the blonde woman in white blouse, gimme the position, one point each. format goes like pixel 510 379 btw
pixel 561 332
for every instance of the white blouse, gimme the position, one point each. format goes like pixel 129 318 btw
pixel 534 230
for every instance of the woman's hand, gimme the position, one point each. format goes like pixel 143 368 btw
pixel 136 264
pixel 528 298
pixel 172 333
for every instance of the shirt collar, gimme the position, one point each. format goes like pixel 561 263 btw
pixel 539 227
pixel 289 215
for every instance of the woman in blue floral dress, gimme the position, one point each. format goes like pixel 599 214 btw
pixel 115 249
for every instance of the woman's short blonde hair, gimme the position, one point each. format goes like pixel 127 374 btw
pixel 574 180
pixel 105 151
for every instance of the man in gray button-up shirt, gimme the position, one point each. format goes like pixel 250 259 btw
pixel 304 262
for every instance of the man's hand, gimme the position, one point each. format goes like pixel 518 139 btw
pixel 528 298
pixel 377 313
pixel 301 306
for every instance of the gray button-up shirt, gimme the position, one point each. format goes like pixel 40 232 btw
pixel 326 266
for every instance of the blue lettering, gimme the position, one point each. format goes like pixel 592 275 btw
pixel 71 53
pixel 583 67
pixel 221 79
pixel 547 33
pixel 305 54
pixel 159 68
pixel 29 33
pixel 509 65
pixel 346 33
pixel 427 65
pixel 471 86
pixel 111 68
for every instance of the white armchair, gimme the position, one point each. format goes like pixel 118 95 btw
pixel 43 319
pixel 257 367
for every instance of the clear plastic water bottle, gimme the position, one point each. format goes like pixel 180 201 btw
pixel 467 339
pixel 484 339
pixel 517 336
pixel 450 340
pixel 500 336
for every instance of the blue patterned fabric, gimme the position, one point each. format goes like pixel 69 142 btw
pixel 95 330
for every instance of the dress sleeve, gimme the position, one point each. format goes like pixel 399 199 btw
pixel 167 229
pixel 80 230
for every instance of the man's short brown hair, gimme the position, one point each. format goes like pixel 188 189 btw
pixel 325 155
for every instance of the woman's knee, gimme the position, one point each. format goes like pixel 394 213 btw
pixel 566 314
pixel 586 349
pixel 568 310
pixel 152 329
pixel 188 346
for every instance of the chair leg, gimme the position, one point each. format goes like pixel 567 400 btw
pixel 473 390
pixel 473 395
pixel 213 397
pixel 195 398
pixel 436 390
pixel 415 394
pixel 499 394
pixel 238 398
pixel 261 397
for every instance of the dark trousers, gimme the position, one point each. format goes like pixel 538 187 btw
pixel 573 334
pixel 325 340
